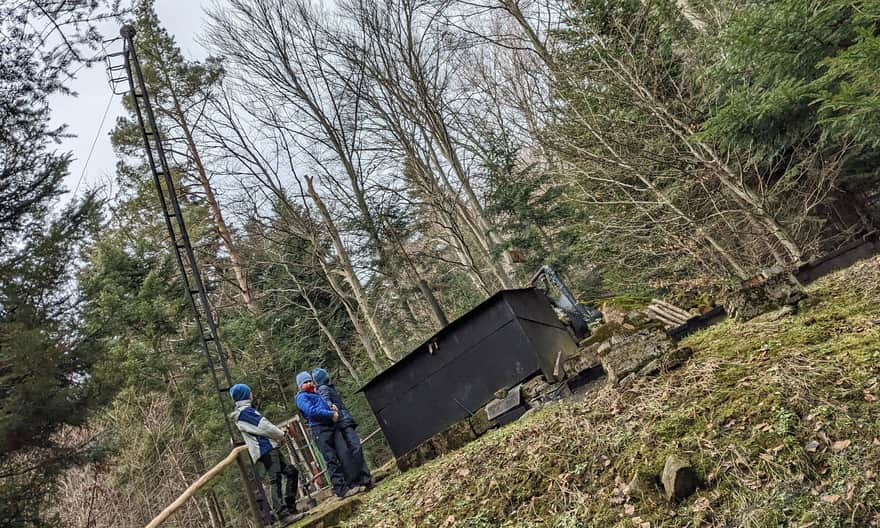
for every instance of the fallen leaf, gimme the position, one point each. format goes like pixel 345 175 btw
pixel 840 445
pixel 463 472
pixel 811 446
pixel 830 499
pixel 877 441
pixel 629 509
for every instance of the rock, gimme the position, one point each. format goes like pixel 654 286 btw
pixel 771 290
pixel 600 334
pixel 679 479
pixel 653 367
pixel 627 381
pixel 603 348
pixel 676 358
pixel 640 485
pixel 535 407
pixel 583 360
pixel 612 315
pixel 632 353
pixel 480 422
pixel 785 311
pixel 636 318
pixel 534 388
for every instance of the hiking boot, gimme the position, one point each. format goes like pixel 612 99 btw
pixel 289 518
pixel 351 492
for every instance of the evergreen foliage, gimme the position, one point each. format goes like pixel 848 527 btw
pixel 665 148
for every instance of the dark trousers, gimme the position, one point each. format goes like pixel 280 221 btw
pixel 351 454
pixel 283 498
pixel 326 444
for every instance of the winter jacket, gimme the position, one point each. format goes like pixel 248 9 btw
pixel 315 409
pixel 260 435
pixel 331 396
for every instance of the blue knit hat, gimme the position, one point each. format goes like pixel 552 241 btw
pixel 240 391
pixel 320 376
pixel 302 377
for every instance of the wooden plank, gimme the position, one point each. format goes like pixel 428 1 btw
pixel 672 308
pixel 653 314
pixel 673 316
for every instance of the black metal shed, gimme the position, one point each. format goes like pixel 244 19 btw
pixel 505 340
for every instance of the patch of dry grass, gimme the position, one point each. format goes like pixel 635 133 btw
pixel 779 416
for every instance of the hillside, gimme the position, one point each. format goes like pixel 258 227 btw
pixel 779 416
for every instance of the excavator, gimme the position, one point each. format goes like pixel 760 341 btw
pixel 577 316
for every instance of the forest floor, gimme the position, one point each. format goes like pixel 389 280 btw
pixel 779 416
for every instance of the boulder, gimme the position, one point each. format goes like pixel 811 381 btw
pixel 533 388
pixel 631 353
pixel 679 479
pixel 667 362
pixel 769 291
pixel 480 422
pixel 584 359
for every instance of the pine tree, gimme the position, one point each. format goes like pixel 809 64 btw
pixel 179 91
pixel 45 359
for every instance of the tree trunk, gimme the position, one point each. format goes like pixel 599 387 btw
pixel 362 333
pixel 348 269
pixel 752 205
pixel 214 207
pixel 317 316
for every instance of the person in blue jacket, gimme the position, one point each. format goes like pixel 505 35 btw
pixel 322 421
pixel 262 438
pixel 348 445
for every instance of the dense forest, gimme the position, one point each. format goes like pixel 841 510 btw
pixel 334 157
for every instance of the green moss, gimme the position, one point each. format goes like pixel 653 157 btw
pixel 602 333
pixel 743 411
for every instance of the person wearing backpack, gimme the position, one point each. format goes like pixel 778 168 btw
pixel 348 444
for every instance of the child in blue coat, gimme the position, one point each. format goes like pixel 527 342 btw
pixel 322 421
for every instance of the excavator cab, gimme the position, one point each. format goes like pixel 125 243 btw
pixel 579 317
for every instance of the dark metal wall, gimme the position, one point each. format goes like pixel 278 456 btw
pixel 505 340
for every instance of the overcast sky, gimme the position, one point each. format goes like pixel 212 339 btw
pixel 82 114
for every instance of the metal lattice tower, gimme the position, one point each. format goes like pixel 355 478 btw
pixel 130 70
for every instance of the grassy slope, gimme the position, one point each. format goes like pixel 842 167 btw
pixel 779 417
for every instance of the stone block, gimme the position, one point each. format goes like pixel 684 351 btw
pixel 580 362
pixel 679 479
pixel 763 294
pixel 631 354
pixel 534 388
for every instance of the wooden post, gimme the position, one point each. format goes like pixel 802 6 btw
pixel 188 493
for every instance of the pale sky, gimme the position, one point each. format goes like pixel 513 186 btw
pixel 82 114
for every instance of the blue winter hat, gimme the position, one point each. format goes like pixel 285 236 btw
pixel 302 377
pixel 240 391
pixel 320 376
